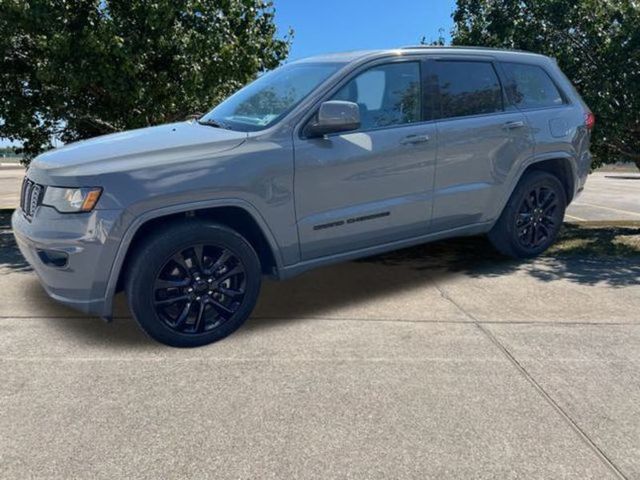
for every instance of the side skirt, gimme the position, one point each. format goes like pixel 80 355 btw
pixel 298 268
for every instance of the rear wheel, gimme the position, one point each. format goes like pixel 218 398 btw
pixel 532 218
pixel 193 284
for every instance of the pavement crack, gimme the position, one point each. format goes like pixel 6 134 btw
pixel 537 386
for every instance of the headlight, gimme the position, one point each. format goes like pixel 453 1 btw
pixel 67 200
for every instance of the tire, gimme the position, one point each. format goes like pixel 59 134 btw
pixel 192 283
pixel 531 220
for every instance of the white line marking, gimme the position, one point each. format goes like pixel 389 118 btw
pixel 575 218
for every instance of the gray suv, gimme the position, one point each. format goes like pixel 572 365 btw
pixel 322 160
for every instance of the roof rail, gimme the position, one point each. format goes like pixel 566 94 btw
pixel 462 47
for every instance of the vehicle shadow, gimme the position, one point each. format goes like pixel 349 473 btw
pixel 605 255
pixel 624 177
pixel 123 333
pixel 10 257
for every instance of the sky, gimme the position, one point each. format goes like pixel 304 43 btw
pixel 325 26
pixel 343 25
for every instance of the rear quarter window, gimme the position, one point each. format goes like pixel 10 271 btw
pixel 530 86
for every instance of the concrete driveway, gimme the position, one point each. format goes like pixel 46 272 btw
pixel 442 361
pixel 608 196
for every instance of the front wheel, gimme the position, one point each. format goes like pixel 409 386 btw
pixel 193 283
pixel 532 218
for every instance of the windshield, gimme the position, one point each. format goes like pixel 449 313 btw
pixel 263 102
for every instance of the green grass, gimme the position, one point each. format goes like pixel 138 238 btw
pixel 598 239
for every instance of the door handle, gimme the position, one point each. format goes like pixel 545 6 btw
pixel 415 139
pixel 513 125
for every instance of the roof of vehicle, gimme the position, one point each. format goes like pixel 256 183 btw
pixel 347 57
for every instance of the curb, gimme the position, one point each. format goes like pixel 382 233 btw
pixel 605 223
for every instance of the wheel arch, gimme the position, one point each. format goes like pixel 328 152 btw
pixel 561 167
pixel 236 214
pixel 560 164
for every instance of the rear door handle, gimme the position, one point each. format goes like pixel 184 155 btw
pixel 415 139
pixel 513 125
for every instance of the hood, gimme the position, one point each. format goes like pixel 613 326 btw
pixel 135 149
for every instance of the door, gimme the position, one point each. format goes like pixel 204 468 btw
pixel 547 109
pixel 358 189
pixel 481 141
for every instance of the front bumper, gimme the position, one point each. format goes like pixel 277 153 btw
pixel 90 250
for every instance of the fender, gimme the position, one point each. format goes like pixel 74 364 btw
pixel 525 165
pixel 140 220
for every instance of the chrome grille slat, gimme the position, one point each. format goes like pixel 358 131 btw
pixel 30 197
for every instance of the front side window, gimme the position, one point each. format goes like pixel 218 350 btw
pixel 529 86
pixel 387 95
pixel 467 88
pixel 263 102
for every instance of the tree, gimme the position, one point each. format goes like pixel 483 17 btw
pixel 596 43
pixel 438 42
pixel 77 69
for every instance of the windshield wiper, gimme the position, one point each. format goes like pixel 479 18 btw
pixel 213 123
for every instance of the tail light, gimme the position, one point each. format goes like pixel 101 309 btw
pixel 589 120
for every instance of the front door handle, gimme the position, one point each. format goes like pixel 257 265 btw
pixel 415 139
pixel 513 125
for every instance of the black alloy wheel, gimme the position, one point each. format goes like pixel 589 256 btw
pixel 537 219
pixel 199 288
pixel 531 220
pixel 192 282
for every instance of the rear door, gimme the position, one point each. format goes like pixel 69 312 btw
pixel 546 107
pixel 371 186
pixel 481 139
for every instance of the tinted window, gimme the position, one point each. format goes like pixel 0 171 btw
pixel 387 95
pixel 467 88
pixel 529 86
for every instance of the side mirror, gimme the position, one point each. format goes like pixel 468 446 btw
pixel 334 116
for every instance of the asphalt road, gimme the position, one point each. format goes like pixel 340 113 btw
pixel 443 361
pixel 607 196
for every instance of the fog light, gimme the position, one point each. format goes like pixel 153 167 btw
pixel 53 258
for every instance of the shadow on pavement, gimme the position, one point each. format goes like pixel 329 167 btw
pixel 604 255
pixel 123 333
pixel 623 177
pixel 10 256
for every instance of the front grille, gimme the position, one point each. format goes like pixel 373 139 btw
pixel 30 197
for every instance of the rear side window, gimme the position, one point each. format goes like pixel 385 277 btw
pixel 529 86
pixel 387 95
pixel 467 88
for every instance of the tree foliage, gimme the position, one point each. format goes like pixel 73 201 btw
pixel 596 43
pixel 74 69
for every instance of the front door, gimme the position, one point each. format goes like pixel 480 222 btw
pixel 372 186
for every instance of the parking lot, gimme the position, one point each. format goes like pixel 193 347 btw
pixel 440 361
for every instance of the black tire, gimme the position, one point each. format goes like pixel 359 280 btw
pixel 215 262
pixel 527 225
